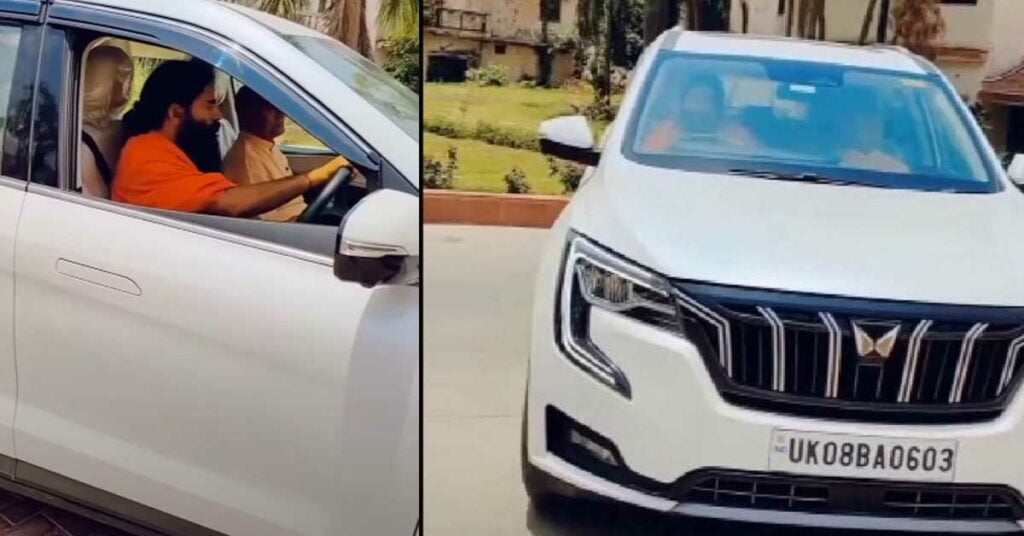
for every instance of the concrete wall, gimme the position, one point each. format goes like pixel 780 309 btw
pixel 991 25
pixel 518 19
pixel 1007 38
pixel 521 60
pixel 966 25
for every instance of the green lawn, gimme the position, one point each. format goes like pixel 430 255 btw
pixel 511 107
pixel 482 167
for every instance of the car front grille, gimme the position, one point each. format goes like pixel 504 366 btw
pixel 846 496
pixel 853 358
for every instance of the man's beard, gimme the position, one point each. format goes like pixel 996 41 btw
pixel 200 143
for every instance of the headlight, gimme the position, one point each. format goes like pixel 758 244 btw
pixel 595 277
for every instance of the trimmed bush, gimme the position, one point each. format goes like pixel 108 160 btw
pixel 483 131
pixel 491 75
pixel 439 175
pixel 516 182
pixel 568 173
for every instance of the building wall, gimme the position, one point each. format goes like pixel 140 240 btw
pixel 1007 38
pixel 520 60
pixel 991 25
pixel 966 25
pixel 518 19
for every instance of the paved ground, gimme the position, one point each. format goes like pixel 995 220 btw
pixel 20 516
pixel 477 294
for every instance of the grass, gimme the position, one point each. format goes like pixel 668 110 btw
pixel 511 107
pixel 482 167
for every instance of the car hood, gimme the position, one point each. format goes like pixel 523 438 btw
pixel 839 240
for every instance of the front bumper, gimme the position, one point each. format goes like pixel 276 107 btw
pixel 676 423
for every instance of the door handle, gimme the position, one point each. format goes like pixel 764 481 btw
pixel 96 276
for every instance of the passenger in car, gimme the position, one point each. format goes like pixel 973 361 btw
pixel 699 113
pixel 255 157
pixel 869 146
pixel 106 88
pixel 172 159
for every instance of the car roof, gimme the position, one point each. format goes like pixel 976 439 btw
pixel 255 31
pixel 763 46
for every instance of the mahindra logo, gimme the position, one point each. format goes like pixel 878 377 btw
pixel 875 339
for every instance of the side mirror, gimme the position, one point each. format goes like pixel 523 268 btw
pixel 379 241
pixel 1016 170
pixel 569 138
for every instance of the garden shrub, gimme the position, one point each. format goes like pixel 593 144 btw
pixel 516 182
pixel 440 175
pixel 402 60
pixel 491 75
pixel 568 173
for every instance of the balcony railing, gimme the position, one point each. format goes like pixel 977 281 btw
pixel 459 19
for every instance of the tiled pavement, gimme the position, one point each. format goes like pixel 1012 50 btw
pixel 21 516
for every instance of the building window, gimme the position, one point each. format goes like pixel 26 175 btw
pixel 499 48
pixel 782 7
pixel 551 10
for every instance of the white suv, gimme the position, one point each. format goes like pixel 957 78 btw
pixel 788 291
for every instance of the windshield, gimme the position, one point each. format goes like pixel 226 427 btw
pixel 766 116
pixel 383 92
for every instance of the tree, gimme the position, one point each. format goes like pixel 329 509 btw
pixel 349 25
pixel 659 15
pixel 810 19
pixel 917 25
pixel 865 26
pixel 399 17
pixel 287 9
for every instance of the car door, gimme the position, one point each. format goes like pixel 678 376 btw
pixel 177 367
pixel 19 48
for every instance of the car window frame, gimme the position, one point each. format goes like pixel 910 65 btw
pixel 16 140
pixel 287 238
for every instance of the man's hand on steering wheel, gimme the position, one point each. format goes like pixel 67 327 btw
pixel 324 173
pixel 341 173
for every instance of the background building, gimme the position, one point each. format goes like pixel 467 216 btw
pixel 981 51
pixel 526 36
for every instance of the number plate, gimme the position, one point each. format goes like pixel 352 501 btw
pixel 862 456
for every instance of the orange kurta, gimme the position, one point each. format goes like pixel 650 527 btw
pixel 155 172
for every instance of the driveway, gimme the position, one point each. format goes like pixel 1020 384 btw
pixel 477 296
pixel 21 516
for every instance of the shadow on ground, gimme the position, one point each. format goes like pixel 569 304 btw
pixel 584 518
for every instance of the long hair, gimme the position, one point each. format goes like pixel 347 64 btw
pixel 172 82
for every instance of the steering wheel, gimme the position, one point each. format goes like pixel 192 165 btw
pixel 341 177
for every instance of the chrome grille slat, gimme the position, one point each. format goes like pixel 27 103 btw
pixel 964 362
pixel 910 366
pixel 1011 363
pixel 778 348
pixel 835 352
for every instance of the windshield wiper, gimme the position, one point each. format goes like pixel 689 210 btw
pixel 800 177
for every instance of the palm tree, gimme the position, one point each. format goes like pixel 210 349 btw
pixel 869 15
pixel 399 17
pixel 287 9
pixel 918 24
pixel 349 25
